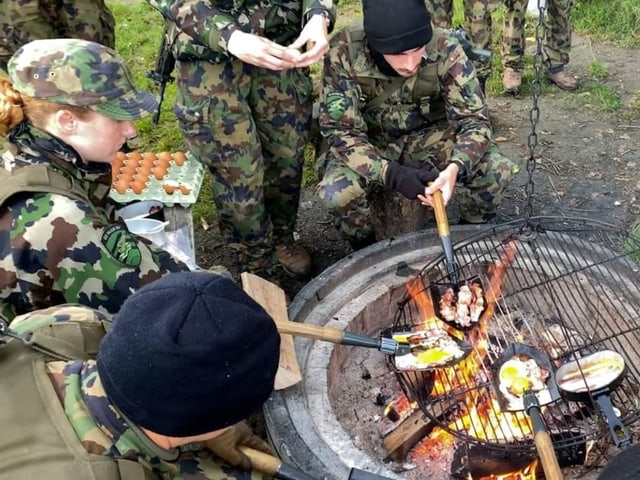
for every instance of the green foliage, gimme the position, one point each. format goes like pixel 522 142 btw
pixel 598 70
pixel 614 20
pixel 595 96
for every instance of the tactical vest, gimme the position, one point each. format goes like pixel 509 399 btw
pixel 426 89
pixel 38 178
pixel 37 440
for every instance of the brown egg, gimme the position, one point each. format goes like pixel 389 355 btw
pixel 159 172
pixel 121 186
pixel 144 171
pixel 148 158
pixel 179 158
pixel 167 187
pixel 164 156
pixel 134 157
pixel 121 156
pixel 129 167
pixel 184 188
pixel 125 177
pixel 138 186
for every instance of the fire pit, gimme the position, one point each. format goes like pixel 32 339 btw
pixel 565 289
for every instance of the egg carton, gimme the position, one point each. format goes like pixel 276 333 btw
pixel 148 176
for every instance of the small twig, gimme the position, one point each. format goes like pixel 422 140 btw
pixel 628 126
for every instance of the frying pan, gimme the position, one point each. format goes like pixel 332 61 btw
pixel 529 397
pixel 593 378
pixel 411 350
pixel 273 466
pixel 459 303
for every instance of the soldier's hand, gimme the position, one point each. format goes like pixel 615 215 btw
pixel 262 52
pixel 226 445
pixel 408 181
pixel 316 39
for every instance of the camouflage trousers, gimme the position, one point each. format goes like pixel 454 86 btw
pixel 345 193
pixel 22 21
pixel 478 23
pixel 557 40
pixel 249 126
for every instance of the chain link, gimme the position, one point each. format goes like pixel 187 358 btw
pixel 534 114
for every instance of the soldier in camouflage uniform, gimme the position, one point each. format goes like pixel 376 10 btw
pixel 244 106
pixel 556 44
pixel 22 21
pixel 478 23
pixel 401 105
pixel 166 396
pixel 67 110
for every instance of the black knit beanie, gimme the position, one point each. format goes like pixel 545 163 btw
pixel 394 26
pixel 188 354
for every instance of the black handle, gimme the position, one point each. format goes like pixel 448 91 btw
pixel 619 432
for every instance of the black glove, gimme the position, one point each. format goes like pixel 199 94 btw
pixel 408 181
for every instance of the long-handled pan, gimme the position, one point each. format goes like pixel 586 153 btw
pixel 418 350
pixel 460 303
pixel 592 378
pixel 523 381
pixel 273 466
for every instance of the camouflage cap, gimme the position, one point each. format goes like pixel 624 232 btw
pixel 81 73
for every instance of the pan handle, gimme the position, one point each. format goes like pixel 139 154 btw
pixel 619 432
pixel 273 466
pixel 442 222
pixel 334 335
pixel 543 442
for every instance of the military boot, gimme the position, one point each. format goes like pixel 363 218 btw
pixel 562 79
pixel 511 80
pixel 294 259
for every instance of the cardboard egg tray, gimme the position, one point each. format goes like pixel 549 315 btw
pixel 171 178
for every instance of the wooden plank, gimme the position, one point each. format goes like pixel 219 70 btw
pixel 272 298
pixel 405 436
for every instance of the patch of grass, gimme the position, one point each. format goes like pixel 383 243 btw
pixel 596 97
pixel 598 70
pixel 613 20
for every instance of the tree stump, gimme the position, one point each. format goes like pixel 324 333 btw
pixel 394 215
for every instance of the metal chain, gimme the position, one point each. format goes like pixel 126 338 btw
pixel 534 114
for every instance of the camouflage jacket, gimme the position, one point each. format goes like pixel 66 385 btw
pixel 200 29
pixel 57 249
pixel 99 427
pixel 351 81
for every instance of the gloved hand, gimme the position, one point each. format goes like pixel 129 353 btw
pixel 408 181
pixel 226 445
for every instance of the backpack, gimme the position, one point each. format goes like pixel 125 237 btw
pixel 38 178
pixel 32 415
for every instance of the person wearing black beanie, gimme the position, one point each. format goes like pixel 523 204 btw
pixel 162 394
pixel 401 106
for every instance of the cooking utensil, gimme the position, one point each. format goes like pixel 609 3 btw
pixel 459 303
pixel 430 349
pixel 593 378
pixel 521 385
pixel 386 345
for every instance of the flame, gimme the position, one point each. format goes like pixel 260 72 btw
pixel 483 417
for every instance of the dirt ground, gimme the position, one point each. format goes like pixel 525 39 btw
pixel 587 161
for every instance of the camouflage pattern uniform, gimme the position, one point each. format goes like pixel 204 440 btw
pixel 557 40
pixel 99 426
pixel 249 125
pixel 404 129
pixel 57 249
pixel 22 21
pixel 478 23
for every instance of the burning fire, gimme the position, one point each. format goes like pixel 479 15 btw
pixel 482 416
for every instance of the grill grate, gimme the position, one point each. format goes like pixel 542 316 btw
pixel 571 289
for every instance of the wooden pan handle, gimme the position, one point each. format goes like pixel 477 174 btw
pixel 547 455
pixel 327 334
pixel 441 213
pixel 261 461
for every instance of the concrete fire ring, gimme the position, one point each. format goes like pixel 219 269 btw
pixel 301 425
